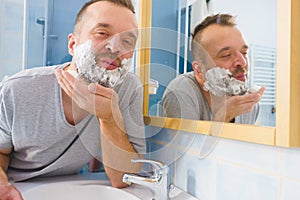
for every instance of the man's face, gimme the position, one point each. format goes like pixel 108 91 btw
pixel 107 36
pixel 92 70
pixel 227 48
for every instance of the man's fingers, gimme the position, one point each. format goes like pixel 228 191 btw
pixel 73 88
pixel 63 82
pixel 100 90
pixel 69 80
pixel 261 90
pixel 249 98
pixel 253 97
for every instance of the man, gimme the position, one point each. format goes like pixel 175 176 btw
pixel 216 42
pixel 52 123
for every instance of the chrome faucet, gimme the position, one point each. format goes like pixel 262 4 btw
pixel 157 182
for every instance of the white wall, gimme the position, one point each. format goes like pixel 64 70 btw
pixel 233 170
pixel 240 171
pixel 255 18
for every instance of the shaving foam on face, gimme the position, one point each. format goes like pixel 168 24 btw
pixel 88 69
pixel 220 82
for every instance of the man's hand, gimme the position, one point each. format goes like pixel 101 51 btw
pixel 9 192
pixel 117 151
pixel 93 98
pixel 228 108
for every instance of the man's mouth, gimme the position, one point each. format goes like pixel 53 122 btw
pixel 240 77
pixel 109 64
pixel 240 74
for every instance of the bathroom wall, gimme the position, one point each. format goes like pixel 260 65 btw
pixel 232 170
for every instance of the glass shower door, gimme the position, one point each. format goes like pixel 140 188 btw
pixel 11 36
pixel 52 26
pixel 34 33
pixel 35 22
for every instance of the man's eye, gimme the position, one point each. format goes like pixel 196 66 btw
pixel 226 55
pixel 128 43
pixel 102 34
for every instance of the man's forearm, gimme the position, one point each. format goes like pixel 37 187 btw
pixel 4 160
pixel 7 190
pixel 3 176
pixel 117 151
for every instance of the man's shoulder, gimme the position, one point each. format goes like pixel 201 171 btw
pixel 131 83
pixel 29 73
pixel 29 76
pixel 132 79
pixel 183 81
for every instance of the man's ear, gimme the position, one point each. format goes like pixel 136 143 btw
pixel 71 43
pixel 199 72
pixel 198 67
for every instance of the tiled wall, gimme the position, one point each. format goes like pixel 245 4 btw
pixel 233 170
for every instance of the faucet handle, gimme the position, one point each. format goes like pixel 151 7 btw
pixel 159 168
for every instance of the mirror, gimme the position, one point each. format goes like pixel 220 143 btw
pixel 171 55
pixel 285 132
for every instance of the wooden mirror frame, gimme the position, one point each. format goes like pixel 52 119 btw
pixel 287 130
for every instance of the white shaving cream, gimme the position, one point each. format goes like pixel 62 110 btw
pixel 254 89
pixel 220 82
pixel 88 69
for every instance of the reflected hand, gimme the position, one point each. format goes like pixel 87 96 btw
pixel 93 98
pixel 9 192
pixel 236 105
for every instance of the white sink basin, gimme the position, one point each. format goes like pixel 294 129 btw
pixel 94 186
pixel 76 191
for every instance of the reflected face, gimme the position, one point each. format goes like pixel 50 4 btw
pixel 106 35
pixel 227 48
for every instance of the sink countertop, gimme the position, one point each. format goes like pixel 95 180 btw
pixel 100 179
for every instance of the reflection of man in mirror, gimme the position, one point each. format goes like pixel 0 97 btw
pixel 217 46
pixel 52 123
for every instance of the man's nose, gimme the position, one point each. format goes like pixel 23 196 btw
pixel 113 44
pixel 240 60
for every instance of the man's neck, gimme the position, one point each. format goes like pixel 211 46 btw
pixel 207 96
pixel 73 113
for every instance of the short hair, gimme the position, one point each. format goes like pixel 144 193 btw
pixel 124 3
pixel 219 19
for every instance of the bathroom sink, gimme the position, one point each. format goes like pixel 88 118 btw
pixel 76 191
pixel 93 186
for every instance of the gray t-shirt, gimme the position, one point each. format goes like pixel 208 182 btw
pixel 183 99
pixel 32 122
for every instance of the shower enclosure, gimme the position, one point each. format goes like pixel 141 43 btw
pixel 34 33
